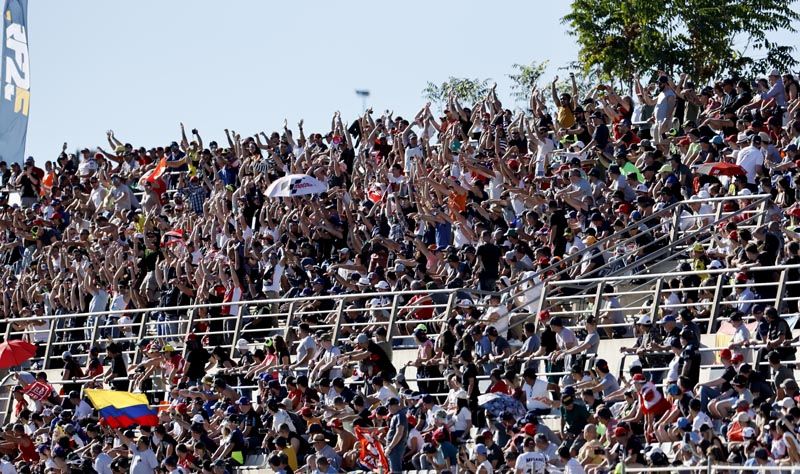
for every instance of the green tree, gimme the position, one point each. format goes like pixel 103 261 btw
pixel 704 38
pixel 466 90
pixel 524 78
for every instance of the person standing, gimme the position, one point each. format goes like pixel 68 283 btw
pixel 397 436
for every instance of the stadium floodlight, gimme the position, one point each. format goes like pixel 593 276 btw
pixel 363 93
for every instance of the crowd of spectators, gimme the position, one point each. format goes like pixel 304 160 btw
pixel 476 198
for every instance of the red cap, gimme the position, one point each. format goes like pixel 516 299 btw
pixel 624 208
pixel 639 378
pixel 529 429
pixel 181 408
pixel 733 235
pixel 412 420
pixel 620 430
pixel 795 211
pixel 731 138
pixel 544 315
pixel 543 261
pixel 439 435
pixel 684 141
pixel 737 358
pixel 725 354
pixel 741 277
pixel 305 412
pixel 513 164
pixel 487 434
pixel 336 423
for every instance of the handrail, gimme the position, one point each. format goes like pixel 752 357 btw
pixel 647 259
pixel 600 244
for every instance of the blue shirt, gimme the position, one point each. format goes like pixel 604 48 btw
pixel 444 234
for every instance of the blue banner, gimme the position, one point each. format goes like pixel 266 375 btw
pixel 15 74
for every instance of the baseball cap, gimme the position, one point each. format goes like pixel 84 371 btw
pixel 684 423
pixel 480 448
pixel 667 319
pixel 644 320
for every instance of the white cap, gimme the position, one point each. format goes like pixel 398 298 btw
pixel 382 285
pixel 465 303
pixel 748 432
pixel 242 344
pixel 774 72
pixel 376 302
pixel 363 281
pixel 787 403
pixel 198 418
pixel 715 264
pixel 645 320
pixel 745 192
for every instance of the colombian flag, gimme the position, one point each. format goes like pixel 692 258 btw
pixel 122 409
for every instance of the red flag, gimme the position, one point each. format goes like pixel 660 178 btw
pixel 37 391
pixel 370 453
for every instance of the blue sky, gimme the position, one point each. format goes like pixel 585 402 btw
pixel 141 67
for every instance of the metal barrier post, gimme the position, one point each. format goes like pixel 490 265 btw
pixel 48 349
pixel 657 298
pixel 598 296
pixel 337 328
pixel 95 328
pixel 676 225
pixel 289 314
pixel 142 331
pixel 392 318
pixel 781 290
pixel 715 304
pixel 761 211
pixel 237 328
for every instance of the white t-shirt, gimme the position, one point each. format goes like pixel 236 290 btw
pixel 749 158
pixel 384 394
pixel 462 418
pixel 672 370
pixel 573 467
pixel 545 147
pixel 531 463
pixel 411 153
pixel 7 467
pixel 537 390
pixel 699 420
pixel 144 462
pixel 307 345
pixel 501 324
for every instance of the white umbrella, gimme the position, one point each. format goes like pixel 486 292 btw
pixel 295 185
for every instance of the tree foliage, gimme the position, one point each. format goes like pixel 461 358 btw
pixel 524 77
pixel 466 90
pixel 704 38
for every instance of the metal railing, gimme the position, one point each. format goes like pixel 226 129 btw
pixel 674 240
pixel 588 304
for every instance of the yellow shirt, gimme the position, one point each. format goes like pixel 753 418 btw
pixel 566 118
pixel 289 452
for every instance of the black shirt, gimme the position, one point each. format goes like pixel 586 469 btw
pixel 470 371
pixel 490 259
pixel 196 361
pixel 378 357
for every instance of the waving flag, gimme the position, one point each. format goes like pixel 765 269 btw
pixel 15 74
pixel 370 452
pixel 122 409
